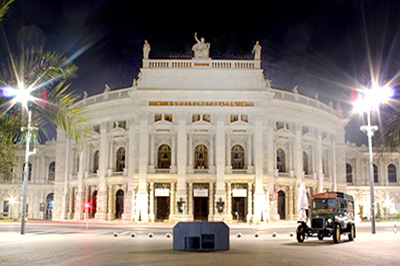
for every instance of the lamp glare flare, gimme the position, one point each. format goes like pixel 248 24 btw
pixel 19 95
pixel 370 99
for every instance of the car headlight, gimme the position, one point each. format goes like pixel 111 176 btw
pixel 330 220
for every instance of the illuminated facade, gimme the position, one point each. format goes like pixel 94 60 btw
pixel 196 139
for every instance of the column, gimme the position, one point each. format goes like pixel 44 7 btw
pixel 181 161
pixel 229 202
pixel 211 154
pixel 334 176
pixel 142 210
pixel 101 212
pixel 228 154
pixel 81 193
pixel 250 168
pixel 211 201
pixel 249 201
pixel 220 164
pixel 259 197
pixel 128 198
pixel 111 207
pixel 173 155
pixel 190 152
pixel 151 211
pixel 152 149
pixel 64 205
pixel 172 201
pixel 319 155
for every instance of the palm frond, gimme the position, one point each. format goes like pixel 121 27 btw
pixel 4 6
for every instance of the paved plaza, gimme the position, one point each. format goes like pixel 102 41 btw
pixel 66 245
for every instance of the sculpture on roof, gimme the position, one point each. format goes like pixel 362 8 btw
pixel 201 48
pixel 146 50
pixel 257 51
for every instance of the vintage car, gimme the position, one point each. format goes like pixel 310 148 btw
pixel 332 214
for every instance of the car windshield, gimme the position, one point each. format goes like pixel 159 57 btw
pixel 324 205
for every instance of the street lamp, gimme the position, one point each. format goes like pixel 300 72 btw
pixel 370 100
pixel 22 95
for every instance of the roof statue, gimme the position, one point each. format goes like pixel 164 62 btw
pixel 146 50
pixel 201 48
pixel 257 51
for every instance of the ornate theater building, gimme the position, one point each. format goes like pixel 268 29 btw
pixel 199 139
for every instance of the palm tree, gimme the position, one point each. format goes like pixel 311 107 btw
pixel 4 6
pixel 43 75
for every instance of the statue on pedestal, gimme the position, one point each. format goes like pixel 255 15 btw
pixel 146 50
pixel 257 51
pixel 201 48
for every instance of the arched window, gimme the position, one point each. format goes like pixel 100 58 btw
pixel 120 160
pixel 201 157
pixel 305 163
pixel 376 175
pixel 280 161
pixel 52 171
pixel 349 173
pixel 392 173
pixel 96 161
pixel 164 157
pixel 237 157
pixel 30 171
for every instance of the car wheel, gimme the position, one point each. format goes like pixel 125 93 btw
pixel 352 233
pixel 336 234
pixel 300 234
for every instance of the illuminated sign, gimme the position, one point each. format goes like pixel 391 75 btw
pixel 194 103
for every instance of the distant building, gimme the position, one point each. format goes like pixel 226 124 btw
pixel 199 139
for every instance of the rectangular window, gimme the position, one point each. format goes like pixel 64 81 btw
pixel 207 118
pixel 157 117
pixel 245 118
pixel 195 118
pixel 234 118
pixel 168 117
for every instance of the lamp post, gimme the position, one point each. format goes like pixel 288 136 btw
pixel 26 168
pixel 369 130
pixel 371 99
pixel 22 95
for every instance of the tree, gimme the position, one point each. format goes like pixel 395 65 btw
pixel 4 6
pixel 43 76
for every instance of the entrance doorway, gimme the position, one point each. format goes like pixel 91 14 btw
pixel 119 204
pixel 239 208
pixel 200 208
pixel 162 208
pixel 281 205
pixel 49 206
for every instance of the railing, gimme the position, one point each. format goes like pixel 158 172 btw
pixel 189 63
pixel 296 97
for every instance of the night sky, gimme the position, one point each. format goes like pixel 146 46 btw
pixel 320 46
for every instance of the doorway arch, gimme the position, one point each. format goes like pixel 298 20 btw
pixel 282 205
pixel 119 204
pixel 49 206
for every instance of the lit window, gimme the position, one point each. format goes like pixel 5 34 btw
pixel 392 173
pixel 207 118
pixel 52 171
pixel 168 117
pixel 234 118
pixel 349 173
pixel 195 118
pixel 120 160
pixel 157 117
pixel 280 161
